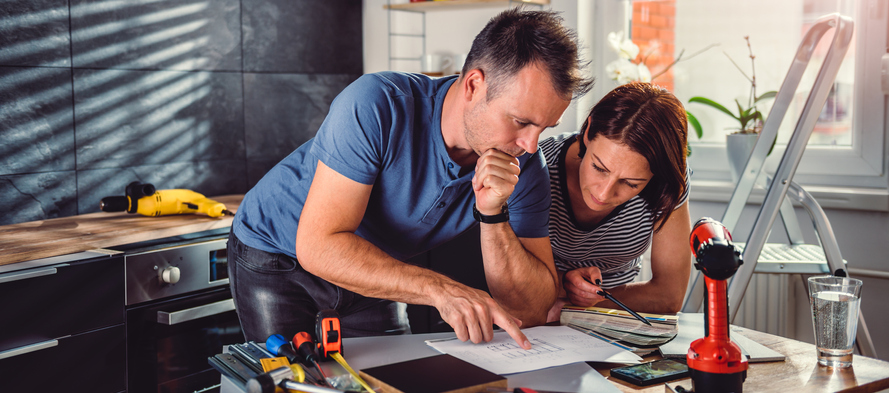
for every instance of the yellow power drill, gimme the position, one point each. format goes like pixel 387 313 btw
pixel 147 201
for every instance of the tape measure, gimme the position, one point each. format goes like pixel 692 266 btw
pixel 327 331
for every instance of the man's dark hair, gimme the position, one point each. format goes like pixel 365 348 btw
pixel 652 122
pixel 516 38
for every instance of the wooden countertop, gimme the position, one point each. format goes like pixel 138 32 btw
pixel 800 372
pixel 60 236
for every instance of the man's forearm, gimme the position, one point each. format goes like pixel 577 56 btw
pixel 522 283
pixel 353 263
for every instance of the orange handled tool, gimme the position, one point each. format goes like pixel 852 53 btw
pixel 716 364
pixel 305 347
pixel 327 330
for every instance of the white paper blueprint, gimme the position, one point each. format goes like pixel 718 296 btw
pixel 550 346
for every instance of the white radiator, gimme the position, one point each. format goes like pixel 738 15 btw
pixel 769 305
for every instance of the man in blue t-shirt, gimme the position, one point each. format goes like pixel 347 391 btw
pixel 402 164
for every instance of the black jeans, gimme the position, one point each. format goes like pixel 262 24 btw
pixel 274 295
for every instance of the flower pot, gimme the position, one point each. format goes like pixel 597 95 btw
pixel 738 148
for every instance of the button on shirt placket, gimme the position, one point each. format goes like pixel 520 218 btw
pixel 447 194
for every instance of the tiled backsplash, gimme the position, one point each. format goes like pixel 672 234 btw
pixel 205 95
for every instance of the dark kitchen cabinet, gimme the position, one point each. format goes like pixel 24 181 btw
pixel 63 326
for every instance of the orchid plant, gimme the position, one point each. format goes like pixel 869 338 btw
pixel 749 118
pixel 623 70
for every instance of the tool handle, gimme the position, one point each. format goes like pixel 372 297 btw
pixel 279 345
pixel 266 382
pixel 209 207
pixel 717 325
pixel 305 347
pixel 302 387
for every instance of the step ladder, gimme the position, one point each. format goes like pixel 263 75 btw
pixel 796 257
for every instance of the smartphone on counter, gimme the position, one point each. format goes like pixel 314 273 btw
pixel 650 373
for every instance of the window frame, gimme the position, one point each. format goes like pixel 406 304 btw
pixel 839 177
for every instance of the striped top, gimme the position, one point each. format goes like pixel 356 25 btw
pixel 615 245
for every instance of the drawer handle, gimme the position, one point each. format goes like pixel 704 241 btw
pixel 190 314
pixel 28 349
pixel 16 276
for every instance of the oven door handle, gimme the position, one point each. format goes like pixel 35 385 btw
pixel 190 314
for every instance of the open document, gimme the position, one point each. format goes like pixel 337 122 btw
pixel 550 346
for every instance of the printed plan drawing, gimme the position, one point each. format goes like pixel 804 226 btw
pixel 514 351
pixel 550 346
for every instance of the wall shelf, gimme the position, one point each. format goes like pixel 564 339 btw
pixel 422 6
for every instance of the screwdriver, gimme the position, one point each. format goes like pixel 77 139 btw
pixel 306 349
pixel 279 345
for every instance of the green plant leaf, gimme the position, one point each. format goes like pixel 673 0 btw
pixel 714 104
pixel 695 124
pixel 745 113
pixel 744 116
pixel 766 95
pixel 757 115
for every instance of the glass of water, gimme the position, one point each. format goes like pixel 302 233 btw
pixel 835 302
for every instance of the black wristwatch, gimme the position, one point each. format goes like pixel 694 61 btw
pixel 493 219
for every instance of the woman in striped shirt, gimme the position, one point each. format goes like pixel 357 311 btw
pixel 619 186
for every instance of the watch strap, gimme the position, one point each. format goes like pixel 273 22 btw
pixel 491 219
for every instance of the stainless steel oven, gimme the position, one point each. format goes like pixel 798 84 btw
pixel 179 312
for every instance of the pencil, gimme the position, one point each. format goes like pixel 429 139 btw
pixel 608 296
pixel 623 306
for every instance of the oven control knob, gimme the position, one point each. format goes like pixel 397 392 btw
pixel 170 275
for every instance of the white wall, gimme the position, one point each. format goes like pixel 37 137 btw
pixel 448 32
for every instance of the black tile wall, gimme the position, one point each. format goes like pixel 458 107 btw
pixel 276 38
pixel 170 34
pixel 127 118
pixel 204 95
pixel 35 33
pixel 36 120
pixel 37 196
pixel 305 97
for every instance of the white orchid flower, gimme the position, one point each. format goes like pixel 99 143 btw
pixel 644 73
pixel 624 47
pixel 623 71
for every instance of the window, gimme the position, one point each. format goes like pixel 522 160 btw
pixel 847 147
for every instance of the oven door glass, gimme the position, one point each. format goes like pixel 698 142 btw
pixel 168 342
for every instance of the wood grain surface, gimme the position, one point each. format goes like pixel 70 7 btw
pixel 800 372
pixel 59 236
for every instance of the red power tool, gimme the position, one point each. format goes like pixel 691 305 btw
pixel 716 364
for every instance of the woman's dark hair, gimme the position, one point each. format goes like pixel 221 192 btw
pixel 652 122
pixel 516 38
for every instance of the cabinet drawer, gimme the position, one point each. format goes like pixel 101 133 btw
pixel 89 362
pixel 46 303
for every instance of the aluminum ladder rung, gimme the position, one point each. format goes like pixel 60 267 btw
pixel 791 259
